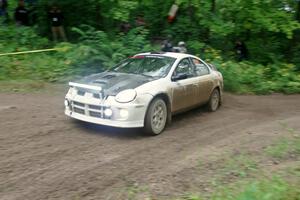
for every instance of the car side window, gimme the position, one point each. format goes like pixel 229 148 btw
pixel 184 67
pixel 200 68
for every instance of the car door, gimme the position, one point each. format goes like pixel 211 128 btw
pixel 184 85
pixel 204 81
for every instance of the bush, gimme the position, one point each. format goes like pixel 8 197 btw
pixel 251 77
pixel 97 51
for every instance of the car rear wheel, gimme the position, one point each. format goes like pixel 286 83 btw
pixel 156 117
pixel 214 100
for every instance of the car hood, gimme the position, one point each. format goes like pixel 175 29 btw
pixel 112 82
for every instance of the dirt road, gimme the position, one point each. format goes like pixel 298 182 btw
pixel 44 155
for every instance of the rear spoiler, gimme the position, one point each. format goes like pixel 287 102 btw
pixel 91 87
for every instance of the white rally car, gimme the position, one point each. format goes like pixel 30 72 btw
pixel 145 91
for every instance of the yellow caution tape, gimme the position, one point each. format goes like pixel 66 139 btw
pixel 27 52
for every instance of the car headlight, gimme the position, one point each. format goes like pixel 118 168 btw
pixel 71 90
pixel 126 96
pixel 67 103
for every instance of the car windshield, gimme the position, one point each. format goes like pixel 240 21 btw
pixel 154 66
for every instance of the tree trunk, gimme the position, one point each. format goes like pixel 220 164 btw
pixel 213 6
pixel 98 16
pixel 295 39
pixel 213 11
pixel 298 12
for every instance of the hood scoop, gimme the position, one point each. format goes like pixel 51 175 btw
pixel 100 82
pixel 109 76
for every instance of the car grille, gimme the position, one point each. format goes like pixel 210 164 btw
pixel 95 95
pixel 81 93
pixel 78 104
pixel 95 107
pixel 88 110
pixel 95 114
pixel 78 110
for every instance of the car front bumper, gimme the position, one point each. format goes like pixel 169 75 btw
pixel 123 115
pixel 106 122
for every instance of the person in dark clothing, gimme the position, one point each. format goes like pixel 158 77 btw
pixel 56 19
pixel 139 21
pixel 167 45
pixel 32 8
pixel 3 6
pixel 21 14
pixel 241 50
pixel 125 27
pixel 3 10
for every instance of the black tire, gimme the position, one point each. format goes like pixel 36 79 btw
pixel 214 101
pixel 156 117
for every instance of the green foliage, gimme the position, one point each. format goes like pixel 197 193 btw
pixel 96 52
pixel 21 85
pixel 280 149
pixel 284 147
pixel 275 189
pixel 32 66
pixel 250 77
pixel 269 28
pixel 263 189
pixel 20 39
pixel 240 165
pixel 132 191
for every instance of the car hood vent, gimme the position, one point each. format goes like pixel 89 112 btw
pixel 109 76
pixel 99 82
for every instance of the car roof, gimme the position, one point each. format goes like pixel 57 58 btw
pixel 169 54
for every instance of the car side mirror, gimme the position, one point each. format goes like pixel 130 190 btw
pixel 213 67
pixel 179 76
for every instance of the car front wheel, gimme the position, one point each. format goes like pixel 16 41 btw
pixel 156 117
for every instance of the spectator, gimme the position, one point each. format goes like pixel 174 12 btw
pixel 3 10
pixel 21 14
pixel 31 5
pixel 140 21
pixel 241 50
pixel 125 27
pixel 56 20
pixel 167 45
pixel 181 47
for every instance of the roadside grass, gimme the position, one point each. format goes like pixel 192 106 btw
pixel 22 85
pixel 134 191
pixel 285 146
pixel 264 189
pixel 246 176
pixel 234 167
pixel 294 170
pixel 239 166
pixel 31 86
